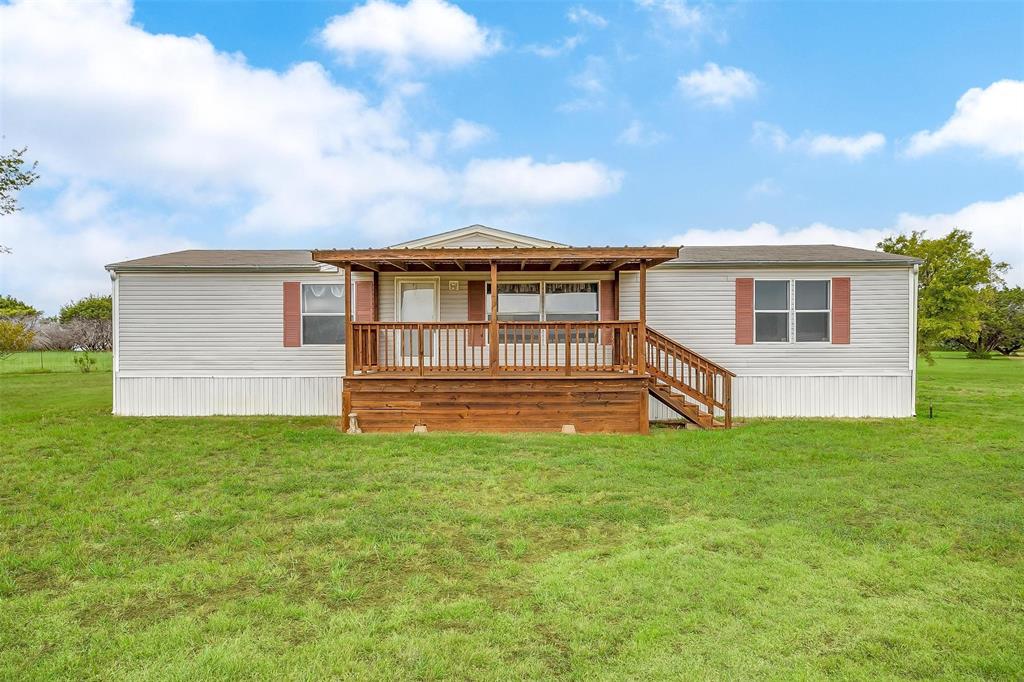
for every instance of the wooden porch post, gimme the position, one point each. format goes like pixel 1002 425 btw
pixel 376 296
pixel 493 341
pixel 345 392
pixel 641 351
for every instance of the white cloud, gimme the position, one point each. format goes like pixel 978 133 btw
pixel 677 13
pixel 466 134
pixel 590 84
pixel 997 226
pixel 524 181
pixel 718 87
pixel 990 119
pixel 183 123
pixel 639 134
pixel 564 46
pixel 431 31
pixel 766 187
pixel 58 255
pixel 853 148
pixel 582 15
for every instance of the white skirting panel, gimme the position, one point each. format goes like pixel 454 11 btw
pixel 815 396
pixel 199 396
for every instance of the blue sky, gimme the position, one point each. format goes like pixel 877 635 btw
pixel 166 125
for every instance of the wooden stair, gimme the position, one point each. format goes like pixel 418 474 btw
pixel 697 389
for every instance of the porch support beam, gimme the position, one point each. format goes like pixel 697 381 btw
pixel 400 266
pixel 618 264
pixel 641 351
pixel 587 263
pixel 348 337
pixel 493 332
pixel 555 263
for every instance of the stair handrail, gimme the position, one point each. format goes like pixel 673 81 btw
pixel 707 397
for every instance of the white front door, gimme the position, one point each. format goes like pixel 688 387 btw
pixel 417 302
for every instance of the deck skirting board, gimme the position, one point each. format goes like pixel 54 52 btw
pixel 591 405
pixel 816 396
pixel 227 395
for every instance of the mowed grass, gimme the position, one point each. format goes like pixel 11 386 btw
pixel 41 362
pixel 278 548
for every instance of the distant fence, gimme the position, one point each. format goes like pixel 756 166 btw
pixel 44 361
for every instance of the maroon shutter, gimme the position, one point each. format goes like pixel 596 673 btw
pixel 364 301
pixel 744 310
pixel 476 311
pixel 607 307
pixel 840 310
pixel 292 314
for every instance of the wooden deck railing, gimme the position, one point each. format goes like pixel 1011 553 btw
pixel 519 347
pixel 700 380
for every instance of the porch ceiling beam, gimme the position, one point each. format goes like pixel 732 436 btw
pixel 369 266
pixel 428 265
pixel 652 254
pixel 619 263
pixel 462 266
pixel 587 263
pixel 522 264
pixel 555 263
pixel 400 266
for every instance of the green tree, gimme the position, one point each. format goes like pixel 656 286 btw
pixel 15 337
pixel 12 307
pixel 1002 323
pixel 91 307
pixel 14 176
pixel 952 283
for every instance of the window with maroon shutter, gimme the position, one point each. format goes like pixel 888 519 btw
pixel 744 310
pixel 292 314
pixel 476 311
pixel 841 310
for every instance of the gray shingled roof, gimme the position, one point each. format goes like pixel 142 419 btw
pixel 787 253
pixel 300 259
pixel 224 259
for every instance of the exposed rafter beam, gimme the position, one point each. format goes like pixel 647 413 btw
pixel 555 263
pixel 522 264
pixel 588 263
pixel 462 266
pixel 619 263
pixel 400 266
pixel 429 266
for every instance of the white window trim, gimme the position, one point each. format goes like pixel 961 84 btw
pixel 788 310
pixel 542 303
pixel 828 301
pixel 303 314
pixel 792 311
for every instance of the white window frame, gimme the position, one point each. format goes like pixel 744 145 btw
pixel 540 297
pixel 542 304
pixel 788 310
pixel 791 312
pixel 828 302
pixel 303 314
pixel 543 293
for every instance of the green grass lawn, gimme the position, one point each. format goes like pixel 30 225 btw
pixel 42 362
pixel 275 548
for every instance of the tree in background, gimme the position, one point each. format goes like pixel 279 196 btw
pixel 1002 324
pixel 12 307
pixel 15 337
pixel 952 285
pixel 91 307
pixel 87 323
pixel 14 176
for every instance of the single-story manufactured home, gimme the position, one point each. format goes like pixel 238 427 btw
pixel 596 338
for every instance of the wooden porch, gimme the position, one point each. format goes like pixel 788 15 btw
pixel 501 375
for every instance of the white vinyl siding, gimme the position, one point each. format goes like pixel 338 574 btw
pixel 697 307
pixel 215 324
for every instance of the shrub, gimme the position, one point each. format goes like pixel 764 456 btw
pixel 15 336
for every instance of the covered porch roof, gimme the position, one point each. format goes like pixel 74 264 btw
pixel 479 259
